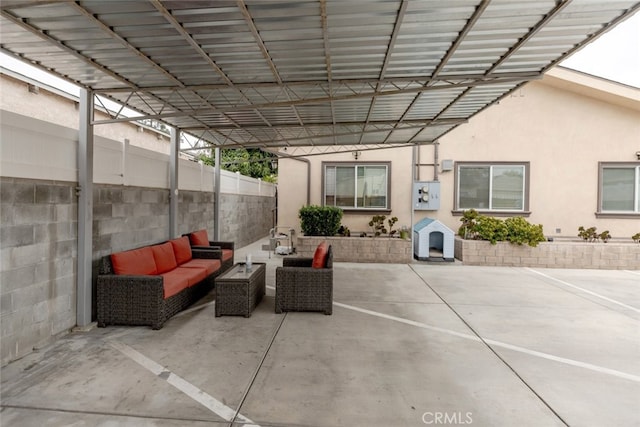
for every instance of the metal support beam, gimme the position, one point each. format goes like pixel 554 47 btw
pixel 216 195
pixel 85 210
pixel 173 183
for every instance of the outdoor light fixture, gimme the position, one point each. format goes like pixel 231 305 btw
pixel 638 155
pixel 274 163
pixel 356 154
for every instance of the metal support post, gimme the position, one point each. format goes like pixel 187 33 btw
pixel 216 195
pixel 85 209
pixel 173 183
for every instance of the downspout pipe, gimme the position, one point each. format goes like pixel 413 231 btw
pixel 436 146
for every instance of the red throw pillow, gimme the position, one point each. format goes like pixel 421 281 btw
pixel 181 249
pixel 199 238
pixel 135 262
pixel 320 256
pixel 164 256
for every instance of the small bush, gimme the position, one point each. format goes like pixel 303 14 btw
pixel 520 231
pixel 591 235
pixel 587 234
pixel 636 237
pixel 320 220
pixel 516 230
pixel 491 229
pixel 467 229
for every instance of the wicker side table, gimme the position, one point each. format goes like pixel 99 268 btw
pixel 238 292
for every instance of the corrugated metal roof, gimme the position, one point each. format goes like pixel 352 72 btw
pixel 272 73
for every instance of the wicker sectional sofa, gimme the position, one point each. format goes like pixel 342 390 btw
pixel 147 286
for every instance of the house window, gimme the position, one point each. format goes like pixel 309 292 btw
pixel 362 186
pixel 619 188
pixel 492 187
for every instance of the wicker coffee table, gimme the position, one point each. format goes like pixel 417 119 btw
pixel 238 292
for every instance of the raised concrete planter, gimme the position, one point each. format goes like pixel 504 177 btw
pixel 359 249
pixel 606 256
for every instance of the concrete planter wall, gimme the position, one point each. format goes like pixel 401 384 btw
pixel 613 256
pixel 359 249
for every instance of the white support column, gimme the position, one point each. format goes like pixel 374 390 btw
pixel 216 195
pixel 173 183
pixel 85 209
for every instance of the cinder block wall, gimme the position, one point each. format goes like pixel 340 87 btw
pixel 245 219
pixel 359 249
pixel 606 256
pixel 38 228
pixel 38 250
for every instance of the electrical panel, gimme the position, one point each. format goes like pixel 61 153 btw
pixel 426 195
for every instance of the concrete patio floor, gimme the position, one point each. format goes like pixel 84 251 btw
pixel 407 345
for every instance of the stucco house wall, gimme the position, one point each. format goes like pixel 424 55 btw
pixel 563 125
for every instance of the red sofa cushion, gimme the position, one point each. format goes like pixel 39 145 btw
pixel 199 238
pixel 210 265
pixel 194 274
pixel 176 280
pixel 181 249
pixel 164 257
pixel 134 262
pixel 320 256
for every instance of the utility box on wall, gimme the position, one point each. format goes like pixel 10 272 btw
pixel 426 195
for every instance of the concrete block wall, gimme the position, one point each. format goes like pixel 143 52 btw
pixel 606 256
pixel 359 249
pixel 245 218
pixel 38 229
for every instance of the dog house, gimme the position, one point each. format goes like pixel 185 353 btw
pixel 433 241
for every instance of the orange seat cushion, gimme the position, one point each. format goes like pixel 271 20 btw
pixel 194 274
pixel 199 238
pixel 164 257
pixel 320 256
pixel 227 254
pixel 181 249
pixel 175 281
pixel 210 265
pixel 134 262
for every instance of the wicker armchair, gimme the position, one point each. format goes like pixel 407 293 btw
pixel 299 287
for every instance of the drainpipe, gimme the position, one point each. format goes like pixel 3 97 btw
pixel 435 160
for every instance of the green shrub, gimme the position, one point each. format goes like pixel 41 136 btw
pixel 491 229
pixel 320 220
pixel 521 231
pixel 636 237
pixel 516 230
pixel 377 225
pixel 467 229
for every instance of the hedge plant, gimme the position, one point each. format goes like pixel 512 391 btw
pixel 516 230
pixel 320 220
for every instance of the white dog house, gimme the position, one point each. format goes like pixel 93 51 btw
pixel 433 241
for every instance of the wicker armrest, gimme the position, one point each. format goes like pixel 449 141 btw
pixel 223 245
pixel 300 275
pixel 297 262
pixel 130 300
pixel 206 248
pixel 114 281
pixel 208 253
